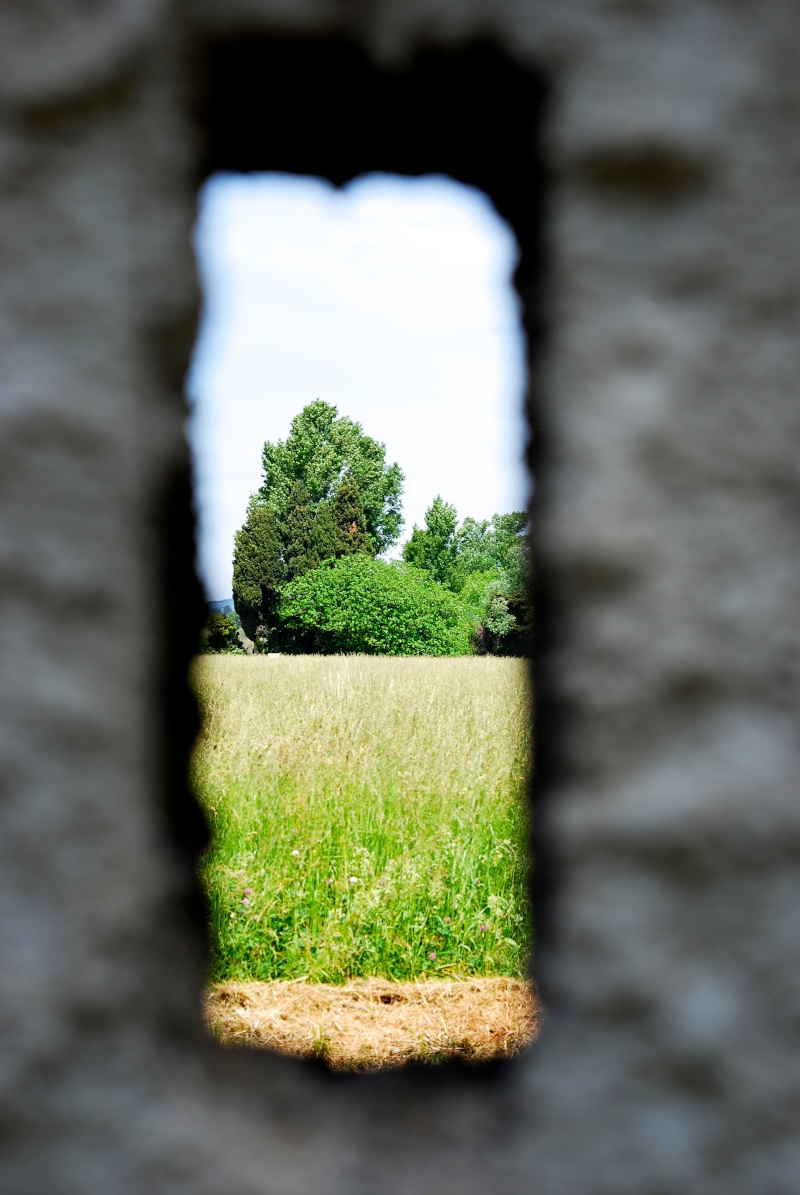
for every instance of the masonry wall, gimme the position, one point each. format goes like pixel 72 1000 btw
pixel 661 289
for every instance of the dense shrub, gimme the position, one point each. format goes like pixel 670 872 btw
pixel 357 604
pixel 499 617
pixel 220 635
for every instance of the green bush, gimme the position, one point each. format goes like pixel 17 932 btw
pixel 356 604
pixel 220 635
pixel 493 612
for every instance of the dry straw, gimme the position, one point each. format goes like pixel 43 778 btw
pixel 370 1024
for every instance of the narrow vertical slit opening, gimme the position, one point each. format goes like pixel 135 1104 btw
pixel 362 676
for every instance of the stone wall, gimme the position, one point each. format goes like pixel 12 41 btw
pixel 647 156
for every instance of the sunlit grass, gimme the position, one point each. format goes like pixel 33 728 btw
pixel 367 815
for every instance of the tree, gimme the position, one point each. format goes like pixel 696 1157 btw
pixel 258 572
pixel 487 564
pixel 337 529
pixel 322 449
pixel 221 635
pixel 300 541
pixel 452 554
pixel 493 616
pixel 340 528
pixel 358 604
pixel 499 545
pixel 433 547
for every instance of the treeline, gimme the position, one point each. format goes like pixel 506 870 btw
pixel 307 572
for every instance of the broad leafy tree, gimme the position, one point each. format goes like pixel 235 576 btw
pixel 322 449
pixel 433 547
pixel 452 554
pixel 499 545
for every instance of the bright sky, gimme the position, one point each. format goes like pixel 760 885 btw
pixel 390 299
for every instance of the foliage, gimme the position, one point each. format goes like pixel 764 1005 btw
pixel 499 545
pixel 451 554
pixel 367 816
pixel 487 564
pixel 299 539
pixel 340 525
pixel 494 616
pixel 434 547
pixel 221 635
pixel 258 571
pixel 322 449
pixel 327 493
pixel 329 496
pixel 357 604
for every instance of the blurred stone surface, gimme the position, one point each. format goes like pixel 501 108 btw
pixel 666 519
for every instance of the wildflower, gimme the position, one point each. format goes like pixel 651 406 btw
pixel 484 929
pixel 233 914
pixel 353 879
pixel 245 901
pixel 295 852
pixel 447 920
pixel 248 891
pixel 432 954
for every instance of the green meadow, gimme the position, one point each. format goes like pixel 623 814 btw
pixel 367 816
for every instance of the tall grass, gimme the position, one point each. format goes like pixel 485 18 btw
pixel 367 816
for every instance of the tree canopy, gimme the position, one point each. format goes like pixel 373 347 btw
pixel 453 554
pixel 487 564
pixel 434 547
pixel 323 449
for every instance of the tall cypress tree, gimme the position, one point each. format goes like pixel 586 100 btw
pixel 257 573
pixel 300 552
pixel 340 528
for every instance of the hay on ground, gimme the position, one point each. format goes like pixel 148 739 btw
pixel 367 1024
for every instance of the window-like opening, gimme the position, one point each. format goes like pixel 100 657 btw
pixel 367 809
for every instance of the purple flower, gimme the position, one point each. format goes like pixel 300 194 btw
pixel 248 891
pixel 432 954
pixel 245 901
pixel 484 929
pixel 447 920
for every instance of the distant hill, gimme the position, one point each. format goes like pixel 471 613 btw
pixel 224 606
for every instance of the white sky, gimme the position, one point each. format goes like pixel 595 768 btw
pixel 390 299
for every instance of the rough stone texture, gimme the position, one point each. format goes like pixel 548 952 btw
pixel 667 501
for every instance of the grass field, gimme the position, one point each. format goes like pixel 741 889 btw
pixel 367 814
